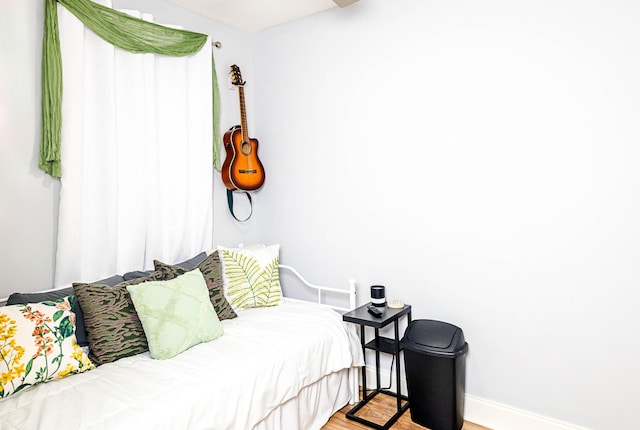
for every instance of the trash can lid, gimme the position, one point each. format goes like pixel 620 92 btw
pixel 434 338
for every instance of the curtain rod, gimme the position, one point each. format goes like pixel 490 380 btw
pixel 217 44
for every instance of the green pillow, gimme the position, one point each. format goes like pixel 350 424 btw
pixel 175 314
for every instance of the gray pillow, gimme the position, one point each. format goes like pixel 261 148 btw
pixel 110 281
pixel 188 265
pixel 137 274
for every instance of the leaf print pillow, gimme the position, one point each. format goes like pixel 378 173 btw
pixel 250 276
pixel 38 344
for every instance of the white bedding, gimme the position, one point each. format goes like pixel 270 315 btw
pixel 265 358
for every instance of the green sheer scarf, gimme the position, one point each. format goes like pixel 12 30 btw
pixel 125 32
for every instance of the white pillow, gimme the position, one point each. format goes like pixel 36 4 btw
pixel 250 276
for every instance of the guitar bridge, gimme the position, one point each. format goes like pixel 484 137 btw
pixel 247 171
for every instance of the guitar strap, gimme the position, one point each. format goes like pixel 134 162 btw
pixel 230 203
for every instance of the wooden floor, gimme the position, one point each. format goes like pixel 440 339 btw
pixel 378 410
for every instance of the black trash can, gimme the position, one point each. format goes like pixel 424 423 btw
pixel 434 360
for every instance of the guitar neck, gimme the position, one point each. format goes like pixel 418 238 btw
pixel 243 115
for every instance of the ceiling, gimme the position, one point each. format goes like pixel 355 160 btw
pixel 254 15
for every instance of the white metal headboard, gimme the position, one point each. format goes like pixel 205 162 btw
pixel 351 292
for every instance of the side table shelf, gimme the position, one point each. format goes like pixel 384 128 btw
pixel 379 344
pixel 382 344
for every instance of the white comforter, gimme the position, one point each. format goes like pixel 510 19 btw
pixel 265 357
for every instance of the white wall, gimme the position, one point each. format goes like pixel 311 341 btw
pixel 480 160
pixel 477 158
pixel 28 197
pixel 28 212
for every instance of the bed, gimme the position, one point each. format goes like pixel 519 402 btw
pixel 289 366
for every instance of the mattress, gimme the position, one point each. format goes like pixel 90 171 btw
pixel 264 360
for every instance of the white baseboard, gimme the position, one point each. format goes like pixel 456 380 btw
pixel 498 416
pixel 487 413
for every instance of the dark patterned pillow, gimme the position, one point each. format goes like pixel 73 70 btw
pixel 211 269
pixel 113 328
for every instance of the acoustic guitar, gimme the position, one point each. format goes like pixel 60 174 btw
pixel 242 169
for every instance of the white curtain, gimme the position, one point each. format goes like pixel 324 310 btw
pixel 136 156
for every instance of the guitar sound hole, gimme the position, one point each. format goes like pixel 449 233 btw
pixel 245 148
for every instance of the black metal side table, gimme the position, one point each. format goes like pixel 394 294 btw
pixel 379 344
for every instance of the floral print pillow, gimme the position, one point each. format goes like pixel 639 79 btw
pixel 38 344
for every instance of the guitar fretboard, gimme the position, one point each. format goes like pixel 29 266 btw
pixel 243 115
